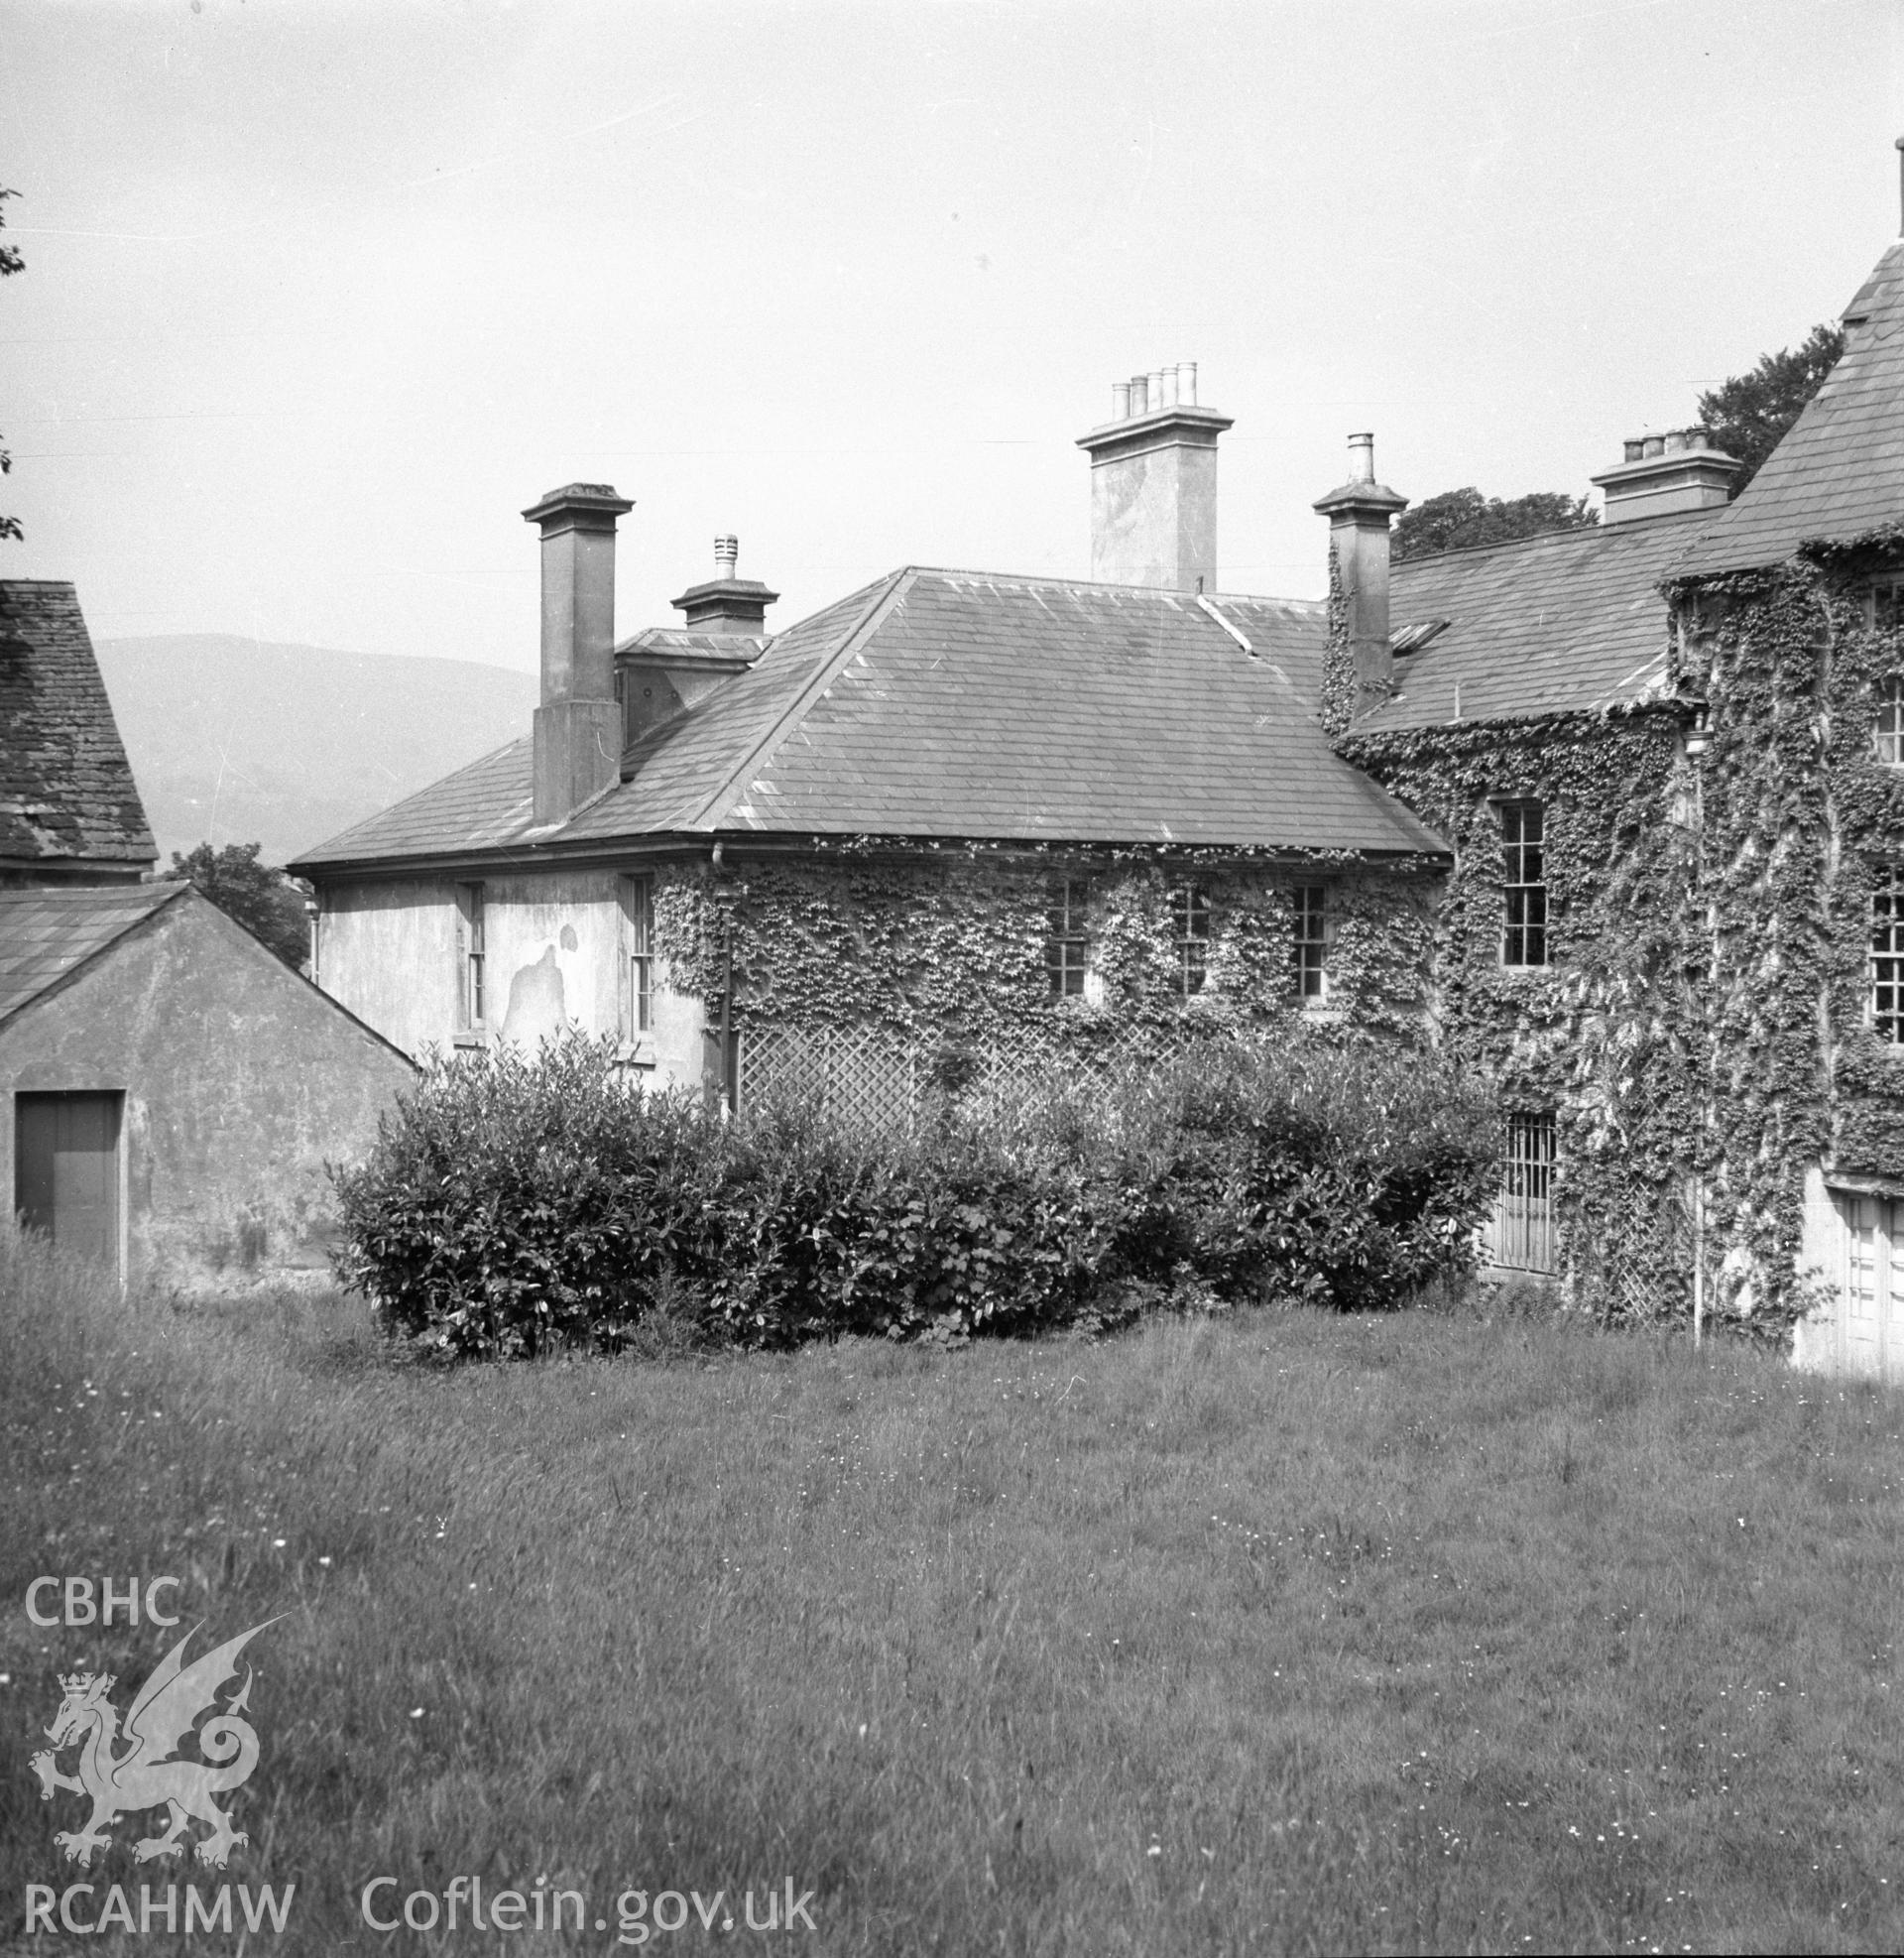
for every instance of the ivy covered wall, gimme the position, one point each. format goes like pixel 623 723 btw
pixel 1605 1034
pixel 925 942
pixel 1704 1021
pixel 1802 818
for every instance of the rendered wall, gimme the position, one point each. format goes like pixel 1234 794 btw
pixel 392 954
pixel 240 1082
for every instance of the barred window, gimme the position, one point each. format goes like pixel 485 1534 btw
pixel 1888 956
pixel 638 956
pixel 1523 884
pixel 1066 942
pixel 1190 927
pixel 1887 731
pixel 1524 1234
pixel 1311 940
pixel 469 908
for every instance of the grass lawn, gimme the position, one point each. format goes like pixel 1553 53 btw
pixel 1271 1633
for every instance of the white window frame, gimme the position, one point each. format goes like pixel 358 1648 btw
pixel 472 950
pixel 1514 858
pixel 1309 948
pixel 1885 960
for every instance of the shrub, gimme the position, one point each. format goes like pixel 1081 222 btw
pixel 512 1204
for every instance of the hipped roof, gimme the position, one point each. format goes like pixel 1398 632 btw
pixel 67 793
pixel 1571 622
pixel 949 706
pixel 1838 472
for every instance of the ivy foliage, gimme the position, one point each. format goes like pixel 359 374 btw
pixel 929 943
pixel 513 1204
pixel 1605 1034
pixel 1705 1021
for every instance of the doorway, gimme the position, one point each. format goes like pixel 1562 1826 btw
pixel 65 1170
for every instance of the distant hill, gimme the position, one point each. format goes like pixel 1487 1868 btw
pixel 235 742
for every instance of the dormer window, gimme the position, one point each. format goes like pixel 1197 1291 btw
pixel 1887 730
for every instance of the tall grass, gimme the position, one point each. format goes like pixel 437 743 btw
pixel 1276 1631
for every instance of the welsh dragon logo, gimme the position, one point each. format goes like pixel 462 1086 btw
pixel 148 1772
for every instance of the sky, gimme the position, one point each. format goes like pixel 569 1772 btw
pixel 319 297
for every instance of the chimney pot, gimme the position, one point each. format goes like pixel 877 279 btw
pixel 1666 473
pixel 727 556
pixel 1119 401
pixel 1154 486
pixel 1361 458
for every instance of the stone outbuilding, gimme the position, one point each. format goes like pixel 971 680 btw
pixel 173 1090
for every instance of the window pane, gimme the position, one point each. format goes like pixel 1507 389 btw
pixel 1887 733
pixel 1307 900
pixel 1523 885
pixel 1888 956
pixel 1190 919
pixel 1066 946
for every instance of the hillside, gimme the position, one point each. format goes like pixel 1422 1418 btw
pixel 233 741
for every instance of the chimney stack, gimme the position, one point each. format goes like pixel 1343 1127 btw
pixel 1359 515
pixel 578 734
pixel 1662 475
pixel 1153 483
pixel 727 603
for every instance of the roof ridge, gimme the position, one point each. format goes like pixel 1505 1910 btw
pixel 1627 526
pixel 1106 585
pixel 877 609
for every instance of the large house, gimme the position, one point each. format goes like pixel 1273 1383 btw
pixel 172 1090
pixel 953 806
pixel 1615 813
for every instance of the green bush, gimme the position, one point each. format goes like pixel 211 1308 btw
pixel 513 1203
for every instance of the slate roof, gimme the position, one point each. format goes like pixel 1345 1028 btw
pixel 1570 622
pixel 1840 470
pixel 954 705
pixel 67 793
pixel 47 932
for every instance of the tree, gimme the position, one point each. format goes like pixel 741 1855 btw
pixel 1462 517
pixel 267 902
pixel 1748 414
pixel 10 263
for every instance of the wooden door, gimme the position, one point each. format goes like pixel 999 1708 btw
pixel 65 1170
pixel 1868 1270
pixel 1871 1317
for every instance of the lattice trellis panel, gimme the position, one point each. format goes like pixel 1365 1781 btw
pixel 875 1076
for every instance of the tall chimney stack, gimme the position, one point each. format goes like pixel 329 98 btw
pixel 1153 483
pixel 578 730
pixel 1359 515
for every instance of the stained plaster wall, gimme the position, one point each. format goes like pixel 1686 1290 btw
pixel 392 953
pixel 240 1082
